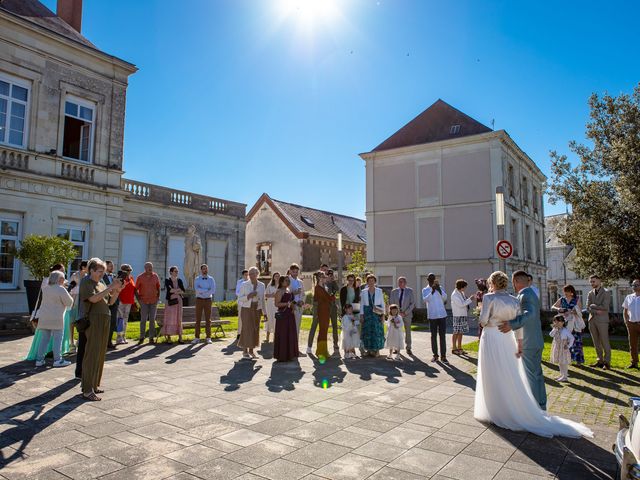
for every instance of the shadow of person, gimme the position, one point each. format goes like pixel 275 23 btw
pixel 459 376
pixel 146 354
pixel 412 365
pixel 284 376
pixel 231 348
pixel 266 350
pixel 22 430
pixel 327 373
pixel 188 351
pixel 242 371
pixel 368 367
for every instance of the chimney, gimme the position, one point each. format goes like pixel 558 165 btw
pixel 71 12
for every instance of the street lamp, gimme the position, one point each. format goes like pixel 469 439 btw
pixel 500 223
pixel 340 260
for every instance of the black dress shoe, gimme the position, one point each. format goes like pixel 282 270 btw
pixel 111 346
pixel 409 352
pixel 633 365
pixel 597 365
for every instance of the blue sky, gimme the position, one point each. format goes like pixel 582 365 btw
pixel 238 97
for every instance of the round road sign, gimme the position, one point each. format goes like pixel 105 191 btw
pixel 504 249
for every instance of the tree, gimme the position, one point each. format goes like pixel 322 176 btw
pixel 358 264
pixel 39 252
pixel 603 190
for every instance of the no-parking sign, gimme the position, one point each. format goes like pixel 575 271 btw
pixel 504 248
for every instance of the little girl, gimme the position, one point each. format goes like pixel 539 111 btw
pixel 562 342
pixel 350 332
pixel 395 339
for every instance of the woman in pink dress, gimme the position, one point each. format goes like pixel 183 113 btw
pixel 172 323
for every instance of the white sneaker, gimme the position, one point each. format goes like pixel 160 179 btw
pixel 39 363
pixel 61 363
pixel 195 341
pixel 120 341
pixel 309 350
pixel 72 348
pixel 209 341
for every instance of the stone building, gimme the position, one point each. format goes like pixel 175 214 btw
pixel 559 274
pixel 62 112
pixel 431 201
pixel 280 233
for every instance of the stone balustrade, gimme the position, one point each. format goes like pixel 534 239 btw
pixel 74 171
pixel 178 198
pixel 10 158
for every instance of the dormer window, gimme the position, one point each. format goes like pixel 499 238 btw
pixel 308 221
pixel 454 130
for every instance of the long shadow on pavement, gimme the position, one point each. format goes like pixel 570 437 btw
pixel 284 376
pixel 242 371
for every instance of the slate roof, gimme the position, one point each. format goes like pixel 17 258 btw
pixel 35 12
pixel 323 224
pixel 432 125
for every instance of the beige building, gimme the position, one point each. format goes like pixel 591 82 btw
pixel 431 201
pixel 62 113
pixel 560 273
pixel 280 233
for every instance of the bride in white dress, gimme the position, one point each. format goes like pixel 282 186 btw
pixel 503 396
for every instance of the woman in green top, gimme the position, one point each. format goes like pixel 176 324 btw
pixel 96 297
pixel 350 294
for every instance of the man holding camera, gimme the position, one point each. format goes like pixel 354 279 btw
pixel 107 279
pixel 434 297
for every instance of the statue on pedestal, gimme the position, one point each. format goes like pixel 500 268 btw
pixel 192 259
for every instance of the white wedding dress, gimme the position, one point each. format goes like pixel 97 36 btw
pixel 503 396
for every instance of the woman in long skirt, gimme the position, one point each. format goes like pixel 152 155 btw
pixel 172 323
pixel 324 300
pixel 251 301
pixel 285 341
pixel 373 307
pixel 270 305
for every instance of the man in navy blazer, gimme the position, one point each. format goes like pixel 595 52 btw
pixel 533 342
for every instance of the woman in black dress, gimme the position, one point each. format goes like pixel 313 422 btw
pixel 285 342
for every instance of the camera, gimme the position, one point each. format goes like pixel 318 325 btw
pixel 122 275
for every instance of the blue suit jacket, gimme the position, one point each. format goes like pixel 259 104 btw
pixel 529 320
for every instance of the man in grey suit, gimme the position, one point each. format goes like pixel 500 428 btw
pixel 532 343
pixel 403 297
pixel 598 302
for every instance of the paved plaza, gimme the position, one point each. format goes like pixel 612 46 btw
pixel 189 412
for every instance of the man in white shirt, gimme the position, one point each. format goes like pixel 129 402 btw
pixel 251 304
pixel 434 297
pixel 205 287
pixel 297 290
pixel 631 314
pixel 244 278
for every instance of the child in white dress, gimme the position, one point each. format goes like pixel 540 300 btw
pixel 350 332
pixel 562 342
pixel 395 337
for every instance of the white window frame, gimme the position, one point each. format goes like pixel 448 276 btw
pixel 71 225
pixel 24 84
pixel 16 274
pixel 81 102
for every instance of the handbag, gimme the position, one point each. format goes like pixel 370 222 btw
pixel 36 311
pixel 82 324
pixel 278 315
pixel 173 301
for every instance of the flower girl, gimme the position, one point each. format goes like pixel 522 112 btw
pixel 350 332
pixel 562 342
pixel 395 340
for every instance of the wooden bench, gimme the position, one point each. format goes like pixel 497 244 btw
pixel 189 320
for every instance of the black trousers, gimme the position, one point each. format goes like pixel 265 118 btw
pixel 114 320
pixel 82 345
pixel 438 327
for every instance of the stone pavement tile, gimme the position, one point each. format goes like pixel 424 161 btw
pixel 182 476
pixel 395 414
pixel 333 404
pixel 376 425
pixel 312 432
pixel 463 430
pixel 305 414
pixel 586 471
pixel 90 468
pixel 210 430
pixel 194 455
pixel 465 467
pixel 221 445
pixel 289 441
pixel 508 474
pixel 547 469
pixel 402 437
pixel 442 445
pixel 500 437
pixel 416 404
pixel 363 431
pixel 244 437
pixel 339 419
pixel 152 470
pixel 250 476
pixel 41 465
pixel 128 437
pixel 317 454
pixel 281 469
pixel 448 408
pixel 433 419
pixel 388 473
pixel 347 439
pixel 362 411
pixel 489 452
pixel 148 418
pixel 467 418
pixel 379 451
pixel 587 448
pixel 99 446
pixel 260 454
pixel 248 418
pixel 156 430
pixel 104 429
pixel 46 441
pixel 181 439
pixel 350 467
pixel 420 462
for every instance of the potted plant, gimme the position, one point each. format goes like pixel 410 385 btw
pixel 38 253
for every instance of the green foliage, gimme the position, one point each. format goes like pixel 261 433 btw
pixel 603 190
pixel 39 252
pixel 358 265
pixel 228 308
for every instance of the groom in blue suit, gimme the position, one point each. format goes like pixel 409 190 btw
pixel 532 343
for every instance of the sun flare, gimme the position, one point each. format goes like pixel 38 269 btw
pixel 308 14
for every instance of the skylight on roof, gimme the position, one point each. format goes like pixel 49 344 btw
pixel 308 221
pixel 362 238
pixel 454 130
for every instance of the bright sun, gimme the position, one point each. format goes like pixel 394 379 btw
pixel 308 14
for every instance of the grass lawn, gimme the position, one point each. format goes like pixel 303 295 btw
pixel 619 351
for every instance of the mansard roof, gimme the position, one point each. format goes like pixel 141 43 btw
pixel 440 121
pixel 305 222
